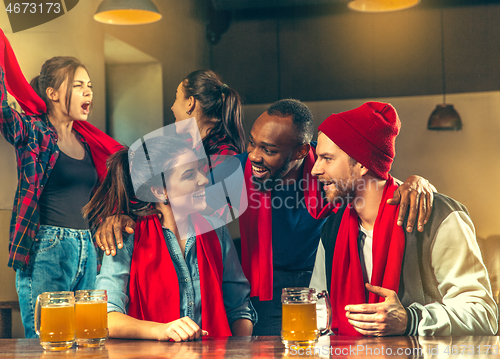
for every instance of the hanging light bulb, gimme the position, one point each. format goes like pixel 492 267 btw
pixel 381 5
pixel 444 117
pixel 127 12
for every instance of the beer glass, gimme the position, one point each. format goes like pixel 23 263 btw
pixel 55 320
pixel 299 324
pixel 91 317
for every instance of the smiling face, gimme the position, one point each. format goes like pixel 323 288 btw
pixel 271 148
pixel 186 186
pixel 336 170
pixel 81 96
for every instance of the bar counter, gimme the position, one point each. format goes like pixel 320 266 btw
pixel 270 347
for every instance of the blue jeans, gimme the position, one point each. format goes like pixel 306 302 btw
pixel 61 259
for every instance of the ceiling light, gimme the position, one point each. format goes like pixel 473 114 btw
pixel 381 5
pixel 127 12
pixel 444 117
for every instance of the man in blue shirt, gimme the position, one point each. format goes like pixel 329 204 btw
pixel 279 143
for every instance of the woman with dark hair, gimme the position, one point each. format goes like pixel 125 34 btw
pixel 176 274
pixel 207 110
pixel 210 112
pixel 59 160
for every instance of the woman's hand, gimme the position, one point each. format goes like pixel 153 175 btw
pixel 179 330
pixel 110 232
pixel 124 326
pixel 417 193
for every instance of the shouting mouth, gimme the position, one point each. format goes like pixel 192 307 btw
pixel 258 171
pixel 86 107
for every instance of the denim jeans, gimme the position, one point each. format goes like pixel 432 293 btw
pixel 61 259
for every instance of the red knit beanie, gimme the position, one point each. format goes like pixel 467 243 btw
pixel 367 134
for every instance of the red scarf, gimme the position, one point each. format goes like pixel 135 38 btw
pixel 347 285
pixel 101 145
pixel 256 227
pixel 154 287
pixel 15 82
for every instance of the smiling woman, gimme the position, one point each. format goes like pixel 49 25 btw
pixel 176 272
pixel 58 155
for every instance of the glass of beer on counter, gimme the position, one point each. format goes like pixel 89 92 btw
pixel 91 317
pixel 299 326
pixel 55 320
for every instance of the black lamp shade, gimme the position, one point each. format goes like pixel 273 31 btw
pixel 444 118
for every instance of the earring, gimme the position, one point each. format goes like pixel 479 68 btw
pixel 166 201
pixel 189 112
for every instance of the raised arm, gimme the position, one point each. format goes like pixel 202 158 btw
pixel 13 125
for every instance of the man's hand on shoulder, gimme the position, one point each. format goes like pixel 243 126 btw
pixel 110 232
pixel 417 193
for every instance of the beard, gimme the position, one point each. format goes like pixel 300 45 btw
pixel 344 192
pixel 274 179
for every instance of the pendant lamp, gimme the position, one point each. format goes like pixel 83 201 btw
pixel 381 5
pixel 444 117
pixel 127 12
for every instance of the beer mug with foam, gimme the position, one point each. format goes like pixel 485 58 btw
pixel 299 324
pixel 55 320
pixel 91 317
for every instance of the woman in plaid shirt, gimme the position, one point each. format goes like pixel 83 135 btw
pixel 59 159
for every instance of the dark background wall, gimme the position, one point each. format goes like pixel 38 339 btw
pixel 327 52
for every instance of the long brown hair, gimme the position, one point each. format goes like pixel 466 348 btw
pixel 126 189
pixel 217 101
pixel 53 73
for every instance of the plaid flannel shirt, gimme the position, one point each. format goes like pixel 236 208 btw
pixel 35 143
pixel 224 148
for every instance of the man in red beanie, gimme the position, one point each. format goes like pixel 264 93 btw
pixel 392 282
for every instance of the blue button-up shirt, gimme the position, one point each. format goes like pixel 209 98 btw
pixel 115 273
